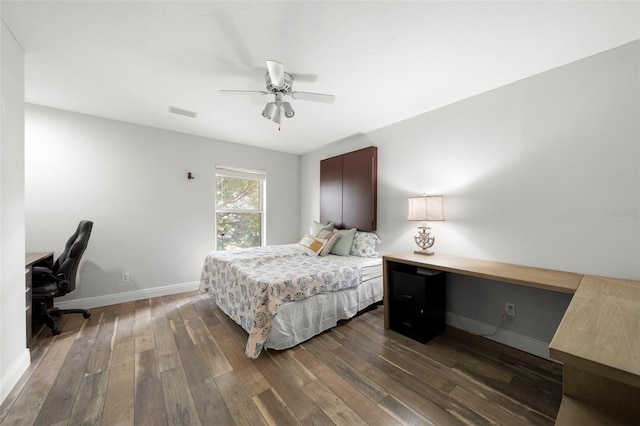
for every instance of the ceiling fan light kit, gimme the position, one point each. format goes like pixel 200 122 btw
pixel 277 116
pixel 288 110
pixel 273 110
pixel 268 111
pixel 280 84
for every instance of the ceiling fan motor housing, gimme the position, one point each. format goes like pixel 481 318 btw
pixel 286 85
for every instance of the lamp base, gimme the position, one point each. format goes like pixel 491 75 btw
pixel 424 252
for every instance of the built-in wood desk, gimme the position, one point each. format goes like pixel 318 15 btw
pixel 598 339
pixel 546 279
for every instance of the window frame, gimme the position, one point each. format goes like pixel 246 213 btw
pixel 240 173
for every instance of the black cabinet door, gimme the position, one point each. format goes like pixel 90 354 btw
pixel 417 304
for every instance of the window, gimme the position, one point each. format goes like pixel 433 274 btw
pixel 240 208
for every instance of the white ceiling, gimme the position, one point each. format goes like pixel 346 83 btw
pixel 384 61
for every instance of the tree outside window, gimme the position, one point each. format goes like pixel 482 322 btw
pixel 239 208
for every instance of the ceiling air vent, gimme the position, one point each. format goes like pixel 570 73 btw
pixel 181 111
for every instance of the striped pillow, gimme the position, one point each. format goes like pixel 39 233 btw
pixel 331 238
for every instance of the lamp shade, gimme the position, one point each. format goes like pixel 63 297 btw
pixel 268 111
pixel 277 116
pixel 426 208
pixel 288 110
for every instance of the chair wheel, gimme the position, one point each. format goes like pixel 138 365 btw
pixel 56 331
pixel 86 314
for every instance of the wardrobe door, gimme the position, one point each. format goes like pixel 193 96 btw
pixel 349 190
pixel 359 189
pixel 331 191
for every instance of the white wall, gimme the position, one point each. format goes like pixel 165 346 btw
pixel 131 181
pixel 14 356
pixel 543 172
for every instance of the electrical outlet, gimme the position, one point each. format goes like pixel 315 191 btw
pixel 125 277
pixel 510 309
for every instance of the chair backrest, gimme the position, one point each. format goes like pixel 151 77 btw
pixel 68 261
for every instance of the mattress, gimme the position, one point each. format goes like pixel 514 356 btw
pixel 370 267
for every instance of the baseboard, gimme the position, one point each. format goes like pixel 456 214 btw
pixel 9 380
pixel 506 337
pixel 129 296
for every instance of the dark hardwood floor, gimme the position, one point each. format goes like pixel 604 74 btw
pixel 178 360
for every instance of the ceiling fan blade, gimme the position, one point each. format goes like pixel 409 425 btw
pixel 305 78
pixel 315 97
pixel 276 73
pixel 244 92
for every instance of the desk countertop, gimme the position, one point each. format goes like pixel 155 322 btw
pixel 599 331
pixel 31 258
pixel 547 279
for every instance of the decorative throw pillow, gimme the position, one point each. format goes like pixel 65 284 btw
pixel 364 244
pixel 317 227
pixel 342 247
pixel 312 245
pixel 331 237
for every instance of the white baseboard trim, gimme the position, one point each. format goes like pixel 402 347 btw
pixel 9 380
pixel 506 337
pixel 129 296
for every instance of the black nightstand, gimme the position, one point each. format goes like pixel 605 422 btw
pixel 418 303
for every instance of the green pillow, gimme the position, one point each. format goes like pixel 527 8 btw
pixel 343 246
pixel 316 227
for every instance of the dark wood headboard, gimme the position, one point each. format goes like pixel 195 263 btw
pixel 349 190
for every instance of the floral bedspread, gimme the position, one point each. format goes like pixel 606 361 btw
pixel 250 285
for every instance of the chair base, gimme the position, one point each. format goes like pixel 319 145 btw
pixel 46 315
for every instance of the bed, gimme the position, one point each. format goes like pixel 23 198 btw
pixel 281 296
pixel 284 295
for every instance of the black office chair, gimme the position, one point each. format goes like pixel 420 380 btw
pixel 48 283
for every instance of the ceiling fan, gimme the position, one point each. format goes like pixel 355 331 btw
pixel 280 84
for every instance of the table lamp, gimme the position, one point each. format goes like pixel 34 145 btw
pixel 423 209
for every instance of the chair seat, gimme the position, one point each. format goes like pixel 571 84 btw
pixel 41 270
pixel 44 289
